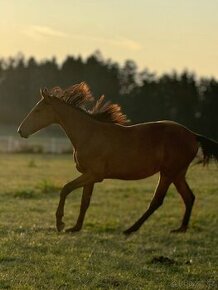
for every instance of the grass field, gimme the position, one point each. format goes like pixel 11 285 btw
pixel 34 256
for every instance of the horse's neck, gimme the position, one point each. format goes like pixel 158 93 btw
pixel 77 125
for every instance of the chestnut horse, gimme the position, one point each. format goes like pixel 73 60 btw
pixel 105 146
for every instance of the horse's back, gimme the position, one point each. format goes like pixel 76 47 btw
pixel 165 146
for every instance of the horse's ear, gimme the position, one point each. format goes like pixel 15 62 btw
pixel 44 93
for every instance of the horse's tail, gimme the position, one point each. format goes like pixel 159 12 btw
pixel 209 148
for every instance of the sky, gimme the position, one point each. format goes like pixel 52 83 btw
pixel 160 35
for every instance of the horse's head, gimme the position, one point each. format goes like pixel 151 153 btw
pixel 41 116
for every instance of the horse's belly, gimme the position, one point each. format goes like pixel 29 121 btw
pixel 132 171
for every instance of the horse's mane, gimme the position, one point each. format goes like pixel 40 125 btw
pixel 80 96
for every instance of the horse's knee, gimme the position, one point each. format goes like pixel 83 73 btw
pixel 65 190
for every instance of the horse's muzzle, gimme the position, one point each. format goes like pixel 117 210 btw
pixel 21 133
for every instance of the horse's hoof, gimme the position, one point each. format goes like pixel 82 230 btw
pixel 128 232
pixel 60 226
pixel 179 230
pixel 72 230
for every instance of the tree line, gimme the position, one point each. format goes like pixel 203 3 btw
pixel 144 96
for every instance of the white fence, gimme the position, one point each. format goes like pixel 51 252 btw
pixel 35 145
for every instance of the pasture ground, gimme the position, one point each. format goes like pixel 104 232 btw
pixel 34 256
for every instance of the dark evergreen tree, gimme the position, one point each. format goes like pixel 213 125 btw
pixel 143 95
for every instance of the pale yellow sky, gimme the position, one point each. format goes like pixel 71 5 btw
pixel 158 35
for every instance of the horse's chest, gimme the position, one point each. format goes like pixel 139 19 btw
pixel 80 166
pixel 82 161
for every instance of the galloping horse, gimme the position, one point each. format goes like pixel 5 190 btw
pixel 105 146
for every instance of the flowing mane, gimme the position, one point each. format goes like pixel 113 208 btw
pixel 80 96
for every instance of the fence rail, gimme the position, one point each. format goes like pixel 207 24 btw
pixel 35 145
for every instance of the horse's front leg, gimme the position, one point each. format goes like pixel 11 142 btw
pixel 86 196
pixel 80 181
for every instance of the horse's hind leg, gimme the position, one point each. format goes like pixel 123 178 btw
pixel 160 192
pixel 188 198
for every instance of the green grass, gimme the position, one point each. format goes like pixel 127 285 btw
pixel 34 256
